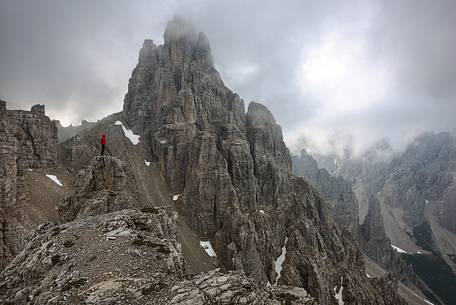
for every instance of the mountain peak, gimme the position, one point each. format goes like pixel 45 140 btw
pixel 178 28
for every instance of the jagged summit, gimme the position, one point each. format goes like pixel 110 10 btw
pixel 232 173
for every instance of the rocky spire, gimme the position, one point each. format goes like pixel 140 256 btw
pixel 232 172
pixel 374 241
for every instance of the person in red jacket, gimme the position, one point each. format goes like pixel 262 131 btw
pixel 103 144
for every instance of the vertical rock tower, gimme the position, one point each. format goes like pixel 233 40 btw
pixel 233 172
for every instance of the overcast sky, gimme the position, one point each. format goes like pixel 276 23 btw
pixel 348 71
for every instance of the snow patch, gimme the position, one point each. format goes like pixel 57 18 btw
pixel 422 298
pixel 55 179
pixel 128 133
pixel 175 197
pixel 206 245
pixel 147 162
pixel 279 261
pixel 398 249
pixel 338 295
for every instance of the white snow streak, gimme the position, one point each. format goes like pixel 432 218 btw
pixel 339 293
pixel 175 197
pixel 422 298
pixel 55 179
pixel 398 249
pixel 128 133
pixel 206 245
pixel 279 261
pixel 147 163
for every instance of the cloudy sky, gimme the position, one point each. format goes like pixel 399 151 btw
pixel 346 72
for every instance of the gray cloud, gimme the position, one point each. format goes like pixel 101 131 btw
pixel 354 71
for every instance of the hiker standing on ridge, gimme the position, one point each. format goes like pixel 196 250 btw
pixel 103 144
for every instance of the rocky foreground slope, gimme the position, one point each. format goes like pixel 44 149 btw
pixel 126 257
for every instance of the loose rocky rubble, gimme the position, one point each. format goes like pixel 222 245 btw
pixel 216 287
pixel 126 257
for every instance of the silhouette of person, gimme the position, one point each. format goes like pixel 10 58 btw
pixel 103 144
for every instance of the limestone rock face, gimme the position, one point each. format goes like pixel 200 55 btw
pixel 337 191
pixel 376 244
pixel 28 140
pixel 126 257
pixel 99 189
pixel 233 173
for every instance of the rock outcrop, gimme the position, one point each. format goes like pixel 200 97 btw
pixel 215 287
pixel 233 174
pixel 376 244
pixel 28 140
pixel 100 188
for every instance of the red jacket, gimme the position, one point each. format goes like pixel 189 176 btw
pixel 103 140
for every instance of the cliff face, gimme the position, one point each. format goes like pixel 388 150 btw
pixel 28 140
pixel 343 203
pixel 375 243
pixel 233 174
pixel 415 189
pixel 100 188
pixel 337 191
